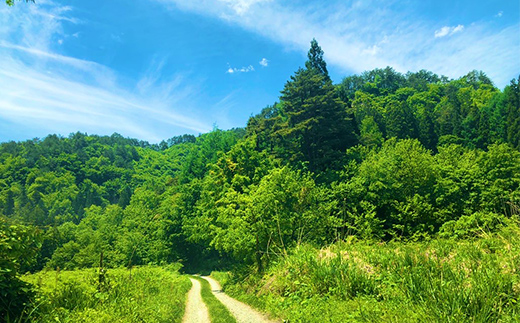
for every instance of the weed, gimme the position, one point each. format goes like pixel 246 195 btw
pixel 152 295
pixel 441 280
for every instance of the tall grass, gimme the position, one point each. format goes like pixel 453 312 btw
pixel 150 294
pixel 436 281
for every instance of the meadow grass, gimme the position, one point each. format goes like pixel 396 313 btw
pixel 217 311
pixel 357 281
pixel 149 294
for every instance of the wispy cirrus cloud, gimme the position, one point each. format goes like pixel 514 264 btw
pixel 58 104
pixel 362 35
pixel 242 6
pixel 44 90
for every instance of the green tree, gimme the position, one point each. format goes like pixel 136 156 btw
pixel 219 212
pixel 512 98
pixel 19 245
pixel 11 2
pixel 315 60
pixel 399 117
pixel 423 105
pixel 422 79
pixel 318 129
pixel 395 184
pixel 369 134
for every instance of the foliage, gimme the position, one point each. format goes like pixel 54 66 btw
pixel 18 246
pixel 382 156
pixel 11 2
pixel 436 281
pixel 146 294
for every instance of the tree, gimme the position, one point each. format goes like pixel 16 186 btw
pixel 18 247
pixel 420 80
pixel 221 215
pixel 393 187
pixel 315 60
pixel 400 120
pixel 349 86
pixel 263 127
pixel 369 134
pixel 317 129
pixel 423 105
pixel 512 94
pixel 383 81
pixel 11 2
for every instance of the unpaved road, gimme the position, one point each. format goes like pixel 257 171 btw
pixel 196 310
pixel 242 312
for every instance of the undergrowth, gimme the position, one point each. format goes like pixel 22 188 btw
pixel 440 280
pixel 146 294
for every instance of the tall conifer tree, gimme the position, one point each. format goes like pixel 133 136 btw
pixel 318 129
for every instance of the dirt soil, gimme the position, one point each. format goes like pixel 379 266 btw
pixel 242 312
pixel 196 309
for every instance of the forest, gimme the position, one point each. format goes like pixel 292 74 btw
pixel 382 158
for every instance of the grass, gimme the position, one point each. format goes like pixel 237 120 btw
pixel 150 294
pixel 217 311
pixel 434 281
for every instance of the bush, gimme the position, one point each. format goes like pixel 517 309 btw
pixel 472 225
pixel 18 247
pixel 149 294
pixel 440 280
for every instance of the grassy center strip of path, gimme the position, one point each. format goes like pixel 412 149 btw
pixel 241 311
pixel 217 311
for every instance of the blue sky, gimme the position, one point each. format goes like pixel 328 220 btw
pixel 153 69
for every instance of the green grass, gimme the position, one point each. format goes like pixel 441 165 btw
pixel 435 281
pixel 151 294
pixel 217 311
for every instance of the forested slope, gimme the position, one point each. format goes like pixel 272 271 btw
pixel 381 155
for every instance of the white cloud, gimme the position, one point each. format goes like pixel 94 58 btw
pixel 444 31
pixel 373 50
pixel 56 103
pixel 457 29
pixel 499 14
pixel 116 37
pixel 242 6
pixel 448 31
pixel 264 62
pixel 362 35
pixel 45 91
pixel 245 69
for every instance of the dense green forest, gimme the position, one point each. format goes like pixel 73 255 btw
pixel 382 156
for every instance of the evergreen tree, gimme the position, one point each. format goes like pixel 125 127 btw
pixel 512 93
pixel 400 120
pixel 318 129
pixel 423 105
pixel 315 60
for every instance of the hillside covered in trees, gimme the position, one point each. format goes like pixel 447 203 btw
pixel 381 156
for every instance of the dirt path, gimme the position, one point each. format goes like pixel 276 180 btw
pixel 242 312
pixel 196 310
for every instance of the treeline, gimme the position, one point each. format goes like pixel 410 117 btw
pixel 381 155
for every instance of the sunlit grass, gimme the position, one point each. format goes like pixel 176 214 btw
pixel 149 294
pixel 217 311
pixel 436 281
